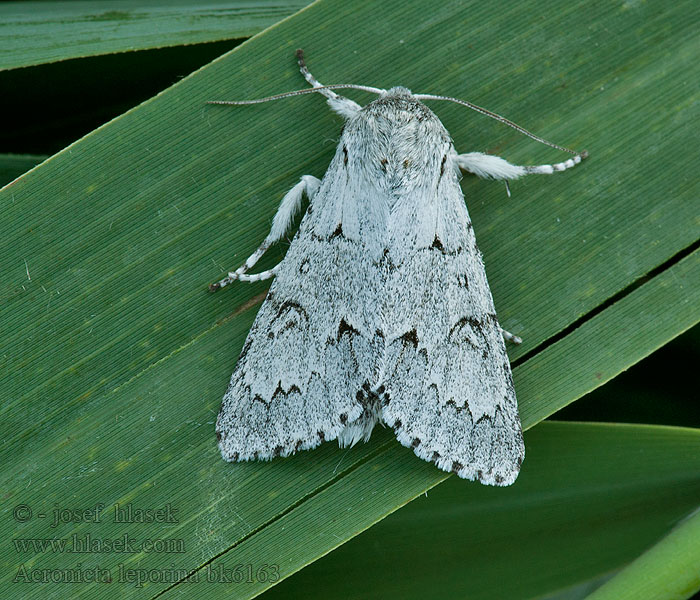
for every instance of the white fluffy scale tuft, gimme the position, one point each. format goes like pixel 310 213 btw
pixel 489 166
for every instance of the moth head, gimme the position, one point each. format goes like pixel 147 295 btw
pixel 396 91
pixel 398 112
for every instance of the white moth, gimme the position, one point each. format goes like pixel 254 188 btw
pixel 380 310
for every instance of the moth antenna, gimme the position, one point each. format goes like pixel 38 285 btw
pixel 343 106
pixel 309 77
pixel 321 89
pixel 493 115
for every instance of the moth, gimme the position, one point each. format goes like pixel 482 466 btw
pixel 380 311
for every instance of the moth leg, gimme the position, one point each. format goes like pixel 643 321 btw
pixel 340 104
pixel 258 276
pixel 489 166
pixel 280 225
pixel 510 337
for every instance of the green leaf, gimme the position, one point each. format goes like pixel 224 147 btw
pixel 671 569
pixel 116 359
pixel 573 516
pixel 33 33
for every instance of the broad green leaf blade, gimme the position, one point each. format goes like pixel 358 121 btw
pixel 668 571
pixel 574 515
pixel 33 33
pixel 117 358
